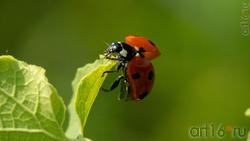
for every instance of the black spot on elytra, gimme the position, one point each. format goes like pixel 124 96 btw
pixel 150 75
pixel 141 49
pixel 143 95
pixel 151 43
pixel 136 76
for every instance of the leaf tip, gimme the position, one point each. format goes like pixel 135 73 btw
pixel 7 57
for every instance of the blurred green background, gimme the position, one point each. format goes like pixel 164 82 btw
pixel 202 75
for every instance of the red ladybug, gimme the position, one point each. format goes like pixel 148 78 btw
pixel 146 46
pixel 137 71
pixel 140 73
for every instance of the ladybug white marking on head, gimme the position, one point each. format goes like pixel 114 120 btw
pixel 123 52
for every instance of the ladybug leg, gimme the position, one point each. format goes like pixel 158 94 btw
pixel 115 59
pixel 108 72
pixel 117 68
pixel 115 84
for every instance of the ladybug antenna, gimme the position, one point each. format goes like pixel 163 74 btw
pixel 106 43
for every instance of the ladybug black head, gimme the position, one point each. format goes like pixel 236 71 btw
pixel 115 47
pixel 121 50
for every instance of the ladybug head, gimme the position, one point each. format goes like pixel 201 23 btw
pixel 115 47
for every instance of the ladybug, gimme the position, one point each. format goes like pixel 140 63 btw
pixel 134 61
pixel 147 47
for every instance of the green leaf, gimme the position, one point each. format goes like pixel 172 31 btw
pixel 30 108
pixel 86 85
pixel 247 113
